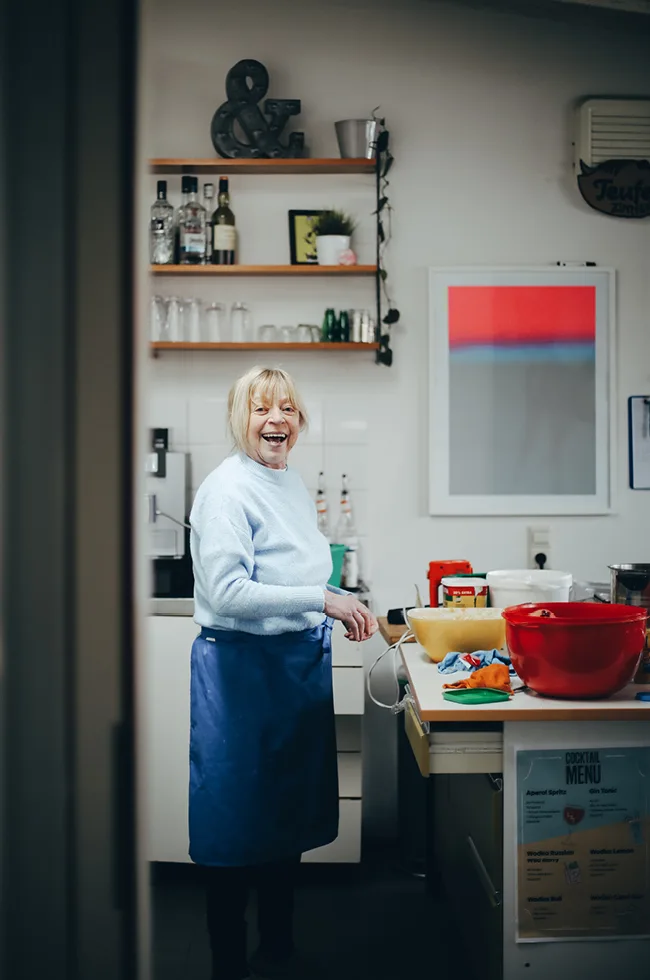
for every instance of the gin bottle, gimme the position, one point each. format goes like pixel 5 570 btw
pixel 161 228
pixel 192 225
pixel 208 204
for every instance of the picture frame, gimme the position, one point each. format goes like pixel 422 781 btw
pixel 302 250
pixel 521 391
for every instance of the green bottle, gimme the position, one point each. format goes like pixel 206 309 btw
pixel 344 327
pixel 329 327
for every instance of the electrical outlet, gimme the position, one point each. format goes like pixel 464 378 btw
pixel 539 547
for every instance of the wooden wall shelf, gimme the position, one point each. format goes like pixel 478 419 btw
pixel 187 345
pixel 264 270
pixel 217 165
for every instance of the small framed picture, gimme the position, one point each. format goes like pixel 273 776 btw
pixel 302 240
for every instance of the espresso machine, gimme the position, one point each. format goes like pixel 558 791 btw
pixel 167 525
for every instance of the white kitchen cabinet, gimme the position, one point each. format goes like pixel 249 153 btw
pixel 167 726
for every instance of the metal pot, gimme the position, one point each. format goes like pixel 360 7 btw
pixel 631 585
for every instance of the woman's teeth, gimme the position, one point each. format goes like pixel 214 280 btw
pixel 275 439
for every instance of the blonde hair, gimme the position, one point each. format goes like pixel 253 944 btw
pixel 267 385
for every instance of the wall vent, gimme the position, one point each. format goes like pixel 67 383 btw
pixel 612 129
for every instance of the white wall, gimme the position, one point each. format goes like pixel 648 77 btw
pixel 479 106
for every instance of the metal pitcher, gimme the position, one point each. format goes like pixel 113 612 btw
pixel 631 585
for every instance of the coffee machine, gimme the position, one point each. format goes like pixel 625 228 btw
pixel 167 526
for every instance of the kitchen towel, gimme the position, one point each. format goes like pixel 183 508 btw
pixel 454 662
pixel 495 676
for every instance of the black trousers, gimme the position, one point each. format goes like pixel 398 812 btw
pixel 228 891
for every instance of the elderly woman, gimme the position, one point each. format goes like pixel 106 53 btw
pixel 263 777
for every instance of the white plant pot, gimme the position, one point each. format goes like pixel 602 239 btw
pixel 329 248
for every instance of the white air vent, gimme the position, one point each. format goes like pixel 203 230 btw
pixel 612 129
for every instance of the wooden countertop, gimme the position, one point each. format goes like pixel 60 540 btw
pixel 389 632
pixel 426 684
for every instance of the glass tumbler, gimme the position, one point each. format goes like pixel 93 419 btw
pixel 267 333
pixel 288 335
pixel 157 321
pixel 174 319
pixel 192 320
pixel 240 323
pixel 212 324
pixel 304 333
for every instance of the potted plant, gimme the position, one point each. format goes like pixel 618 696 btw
pixel 333 230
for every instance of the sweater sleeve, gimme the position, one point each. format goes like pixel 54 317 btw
pixel 227 559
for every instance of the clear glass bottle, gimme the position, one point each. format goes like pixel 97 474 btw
pixel 346 532
pixel 321 507
pixel 208 204
pixel 224 233
pixel 161 228
pixel 185 193
pixel 191 224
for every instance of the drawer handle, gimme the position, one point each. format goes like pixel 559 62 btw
pixel 494 896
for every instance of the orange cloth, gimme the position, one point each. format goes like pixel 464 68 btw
pixel 495 676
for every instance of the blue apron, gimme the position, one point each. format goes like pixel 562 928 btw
pixel 263 773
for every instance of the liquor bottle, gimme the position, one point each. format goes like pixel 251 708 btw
pixel 191 223
pixel 344 327
pixel 208 204
pixel 321 507
pixel 161 228
pixel 346 532
pixel 185 193
pixel 224 234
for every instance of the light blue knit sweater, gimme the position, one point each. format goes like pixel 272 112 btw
pixel 260 563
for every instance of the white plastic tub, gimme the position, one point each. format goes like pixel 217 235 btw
pixel 512 587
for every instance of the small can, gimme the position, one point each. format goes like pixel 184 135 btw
pixel 355 327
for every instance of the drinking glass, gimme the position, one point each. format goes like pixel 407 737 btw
pixel 157 321
pixel 267 333
pixel 288 335
pixel 304 333
pixel 174 319
pixel 192 320
pixel 240 323
pixel 212 324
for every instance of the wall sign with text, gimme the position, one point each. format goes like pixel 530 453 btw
pixel 583 843
pixel 620 188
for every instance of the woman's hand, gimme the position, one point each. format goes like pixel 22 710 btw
pixel 360 622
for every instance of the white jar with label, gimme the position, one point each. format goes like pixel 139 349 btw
pixel 459 592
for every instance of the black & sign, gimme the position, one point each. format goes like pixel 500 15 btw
pixel 247 83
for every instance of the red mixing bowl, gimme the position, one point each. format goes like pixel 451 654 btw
pixel 583 650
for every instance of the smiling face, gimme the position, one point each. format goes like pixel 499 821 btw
pixel 273 429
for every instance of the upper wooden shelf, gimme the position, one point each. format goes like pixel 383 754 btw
pixel 219 165
pixel 272 345
pixel 264 270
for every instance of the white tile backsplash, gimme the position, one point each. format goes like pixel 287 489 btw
pixel 336 442
pixel 206 421
pixel 308 460
pixel 344 423
pixel 169 412
pixel 348 459
pixel 203 459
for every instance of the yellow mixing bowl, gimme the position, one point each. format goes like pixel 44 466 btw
pixel 441 631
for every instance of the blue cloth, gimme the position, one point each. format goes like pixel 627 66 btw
pixel 263 772
pixel 260 563
pixel 472 661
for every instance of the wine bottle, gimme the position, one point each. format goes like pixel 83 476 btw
pixel 224 234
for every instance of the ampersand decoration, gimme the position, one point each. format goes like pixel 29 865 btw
pixel 247 83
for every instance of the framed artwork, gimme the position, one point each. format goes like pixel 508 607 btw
pixel 302 240
pixel 521 375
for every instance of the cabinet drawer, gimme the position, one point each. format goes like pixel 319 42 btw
pixel 347 846
pixel 350 775
pixel 348 690
pixel 349 733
